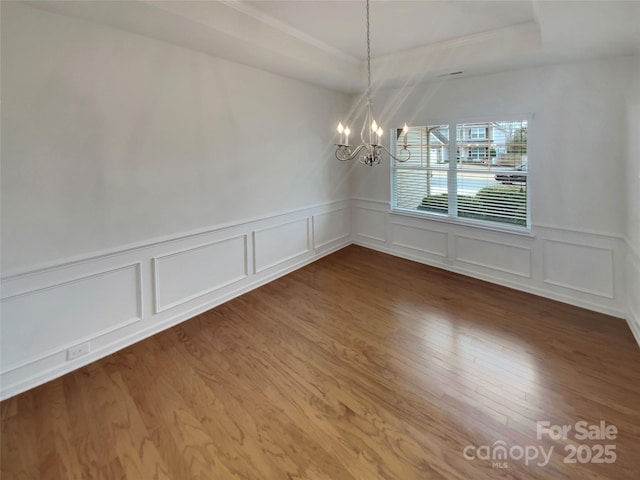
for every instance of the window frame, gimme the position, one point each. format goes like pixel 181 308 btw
pixel 475 137
pixel 451 217
pixel 479 153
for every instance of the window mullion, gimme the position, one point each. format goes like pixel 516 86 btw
pixel 452 178
pixel 453 174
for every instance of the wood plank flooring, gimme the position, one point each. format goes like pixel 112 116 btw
pixel 358 366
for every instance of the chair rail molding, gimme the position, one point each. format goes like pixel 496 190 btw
pixel 549 261
pixel 109 300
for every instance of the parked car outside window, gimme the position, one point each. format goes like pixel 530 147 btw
pixel 511 178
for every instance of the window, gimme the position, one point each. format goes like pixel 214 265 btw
pixel 477 133
pixel 486 183
pixel 479 153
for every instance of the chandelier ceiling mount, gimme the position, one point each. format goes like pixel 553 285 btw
pixel 372 148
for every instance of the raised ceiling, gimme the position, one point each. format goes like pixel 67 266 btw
pixel 397 25
pixel 323 42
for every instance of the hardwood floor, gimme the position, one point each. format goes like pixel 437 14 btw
pixel 358 366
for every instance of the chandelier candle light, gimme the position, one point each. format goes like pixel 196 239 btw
pixel 373 148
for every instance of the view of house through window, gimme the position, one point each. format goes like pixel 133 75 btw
pixel 486 182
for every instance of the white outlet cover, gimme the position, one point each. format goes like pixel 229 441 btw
pixel 77 351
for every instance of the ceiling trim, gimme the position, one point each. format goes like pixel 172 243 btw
pixel 287 29
pixel 465 53
pixel 240 32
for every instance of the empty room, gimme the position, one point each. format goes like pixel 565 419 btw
pixel 363 239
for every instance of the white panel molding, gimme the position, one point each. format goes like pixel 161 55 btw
pixel 546 278
pixel 371 237
pixel 529 288
pixel 39 372
pixel 633 290
pixel 527 250
pixel 531 246
pixel 157 280
pixel 310 245
pixel 370 204
pixel 633 320
pixel 285 252
pixel 632 253
pixel 444 252
pixel 578 231
pixel 91 257
pixel 460 222
pixel 62 347
pixel 375 232
pixel 49 364
pixel 323 235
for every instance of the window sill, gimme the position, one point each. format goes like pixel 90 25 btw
pixel 524 232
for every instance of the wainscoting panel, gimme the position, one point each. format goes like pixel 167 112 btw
pixel 419 239
pixel 370 224
pixel 188 274
pixel 280 243
pixel 502 257
pixel 51 319
pixel 633 290
pixel 581 268
pixel 330 227
pixel 578 267
pixel 109 300
pixel 112 299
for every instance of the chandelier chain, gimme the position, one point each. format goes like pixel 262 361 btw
pixel 368 56
pixel 372 149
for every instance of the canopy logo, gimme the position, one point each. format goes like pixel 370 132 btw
pixel 499 453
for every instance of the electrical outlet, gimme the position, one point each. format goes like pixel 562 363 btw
pixel 78 351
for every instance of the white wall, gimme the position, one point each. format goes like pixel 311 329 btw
pixel 111 138
pixel 577 137
pixel 632 227
pixel 127 162
pixel 577 150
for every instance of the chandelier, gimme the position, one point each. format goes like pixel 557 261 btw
pixel 371 149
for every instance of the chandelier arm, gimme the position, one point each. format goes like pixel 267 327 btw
pixel 397 159
pixel 347 154
pixel 368 120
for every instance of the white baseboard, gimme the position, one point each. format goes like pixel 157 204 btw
pixel 578 267
pixel 634 325
pixel 615 312
pixel 138 292
pixel 113 299
pixel 633 290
